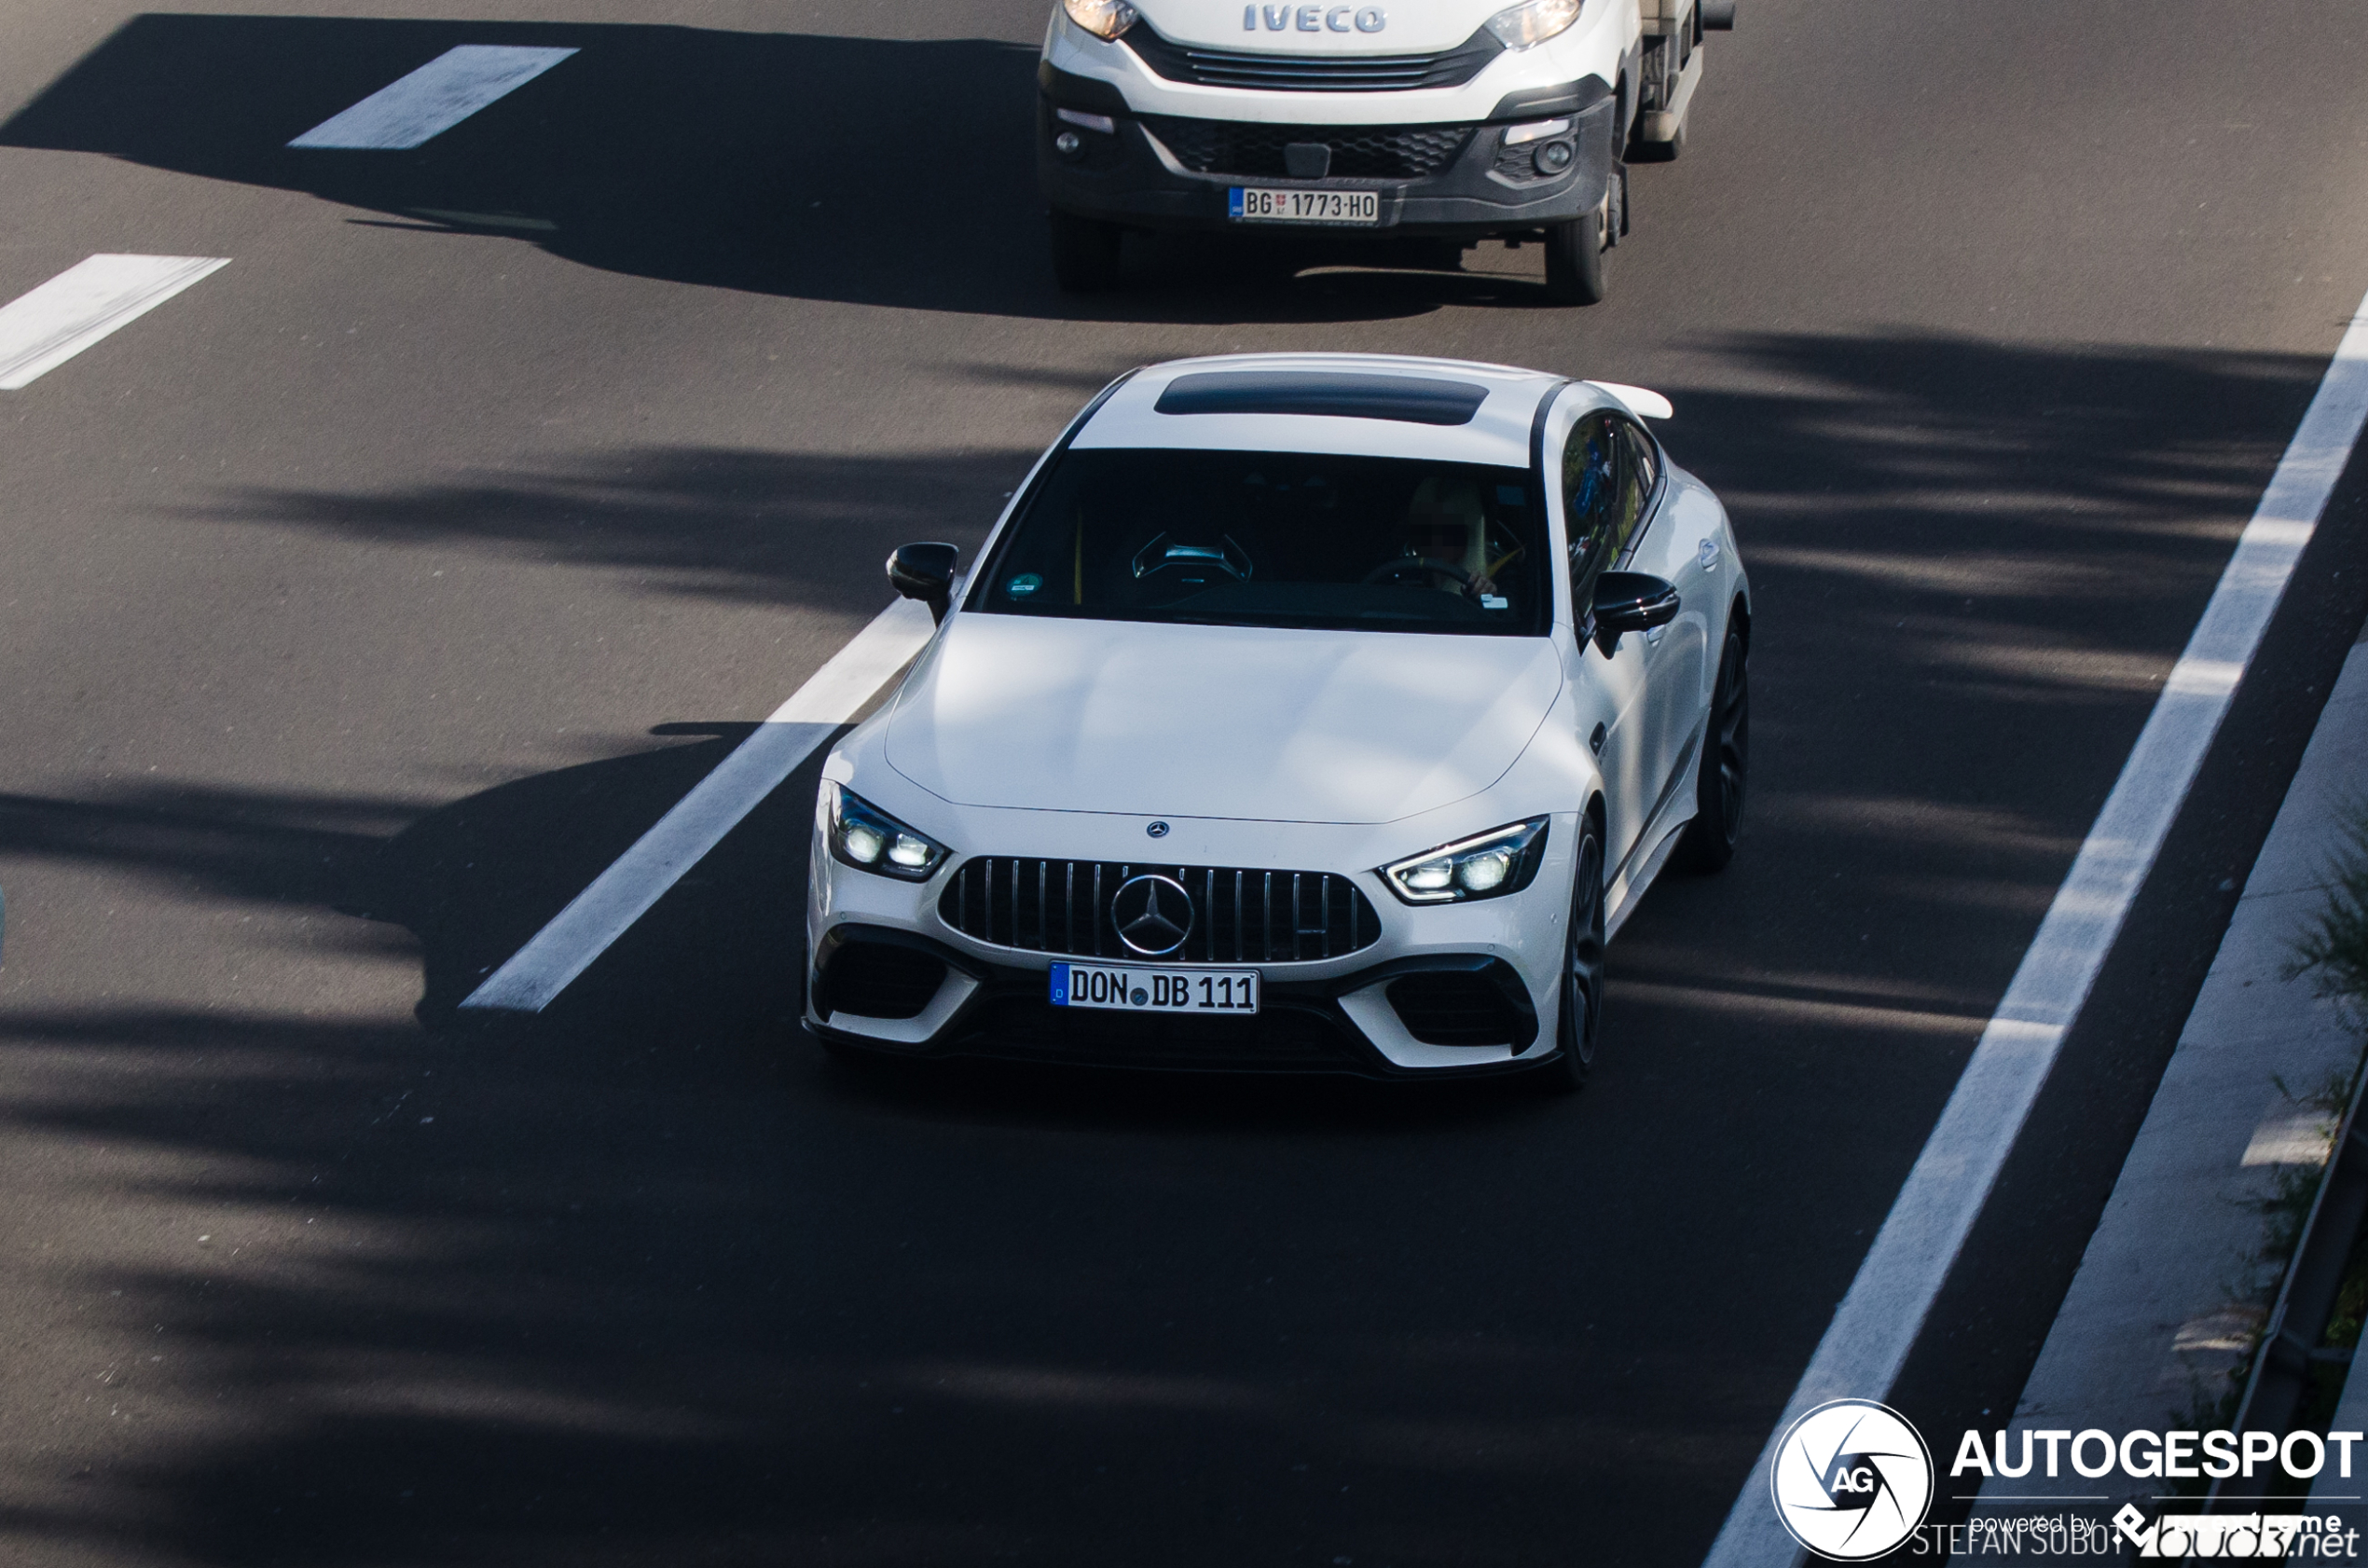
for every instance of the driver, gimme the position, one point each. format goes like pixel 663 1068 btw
pixel 1446 523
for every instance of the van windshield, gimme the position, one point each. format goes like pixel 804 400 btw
pixel 1276 539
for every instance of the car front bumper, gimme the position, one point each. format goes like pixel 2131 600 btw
pixel 1443 990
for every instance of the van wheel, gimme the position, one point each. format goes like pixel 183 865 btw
pixel 1084 253
pixel 1575 250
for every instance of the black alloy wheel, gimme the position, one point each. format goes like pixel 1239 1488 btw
pixel 1709 838
pixel 1084 253
pixel 1579 1016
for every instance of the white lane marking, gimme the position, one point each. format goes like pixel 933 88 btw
pixel 1879 1318
pixel 42 330
pixel 622 894
pixel 433 99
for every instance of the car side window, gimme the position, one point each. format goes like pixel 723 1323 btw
pixel 1590 495
pixel 1645 464
pixel 1638 470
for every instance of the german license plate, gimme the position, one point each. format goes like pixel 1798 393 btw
pixel 1133 990
pixel 1249 204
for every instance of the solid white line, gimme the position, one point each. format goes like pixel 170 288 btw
pixel 434 97
pixel 622 894
pixel 1879 1318
pixel 42 330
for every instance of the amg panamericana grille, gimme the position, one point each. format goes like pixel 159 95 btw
pixel 1238 917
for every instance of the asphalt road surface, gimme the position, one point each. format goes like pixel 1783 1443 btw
pixel 364 601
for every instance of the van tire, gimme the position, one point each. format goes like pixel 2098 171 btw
pixel 1574 259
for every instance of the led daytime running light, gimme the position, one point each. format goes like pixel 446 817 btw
pixel 869 839
pixel 1505 860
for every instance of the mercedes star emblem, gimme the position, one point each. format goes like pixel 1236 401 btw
pixel 1157 829
pixel 1153 915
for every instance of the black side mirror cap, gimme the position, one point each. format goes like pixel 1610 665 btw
pixel 1627 601
pixel 1718 16
pixel 926 572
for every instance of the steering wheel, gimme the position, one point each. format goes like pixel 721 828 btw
pixel 1390 571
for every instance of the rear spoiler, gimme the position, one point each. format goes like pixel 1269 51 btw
pixel 1644 404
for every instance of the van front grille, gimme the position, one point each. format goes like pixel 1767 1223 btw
pixel 1239 916
pixel 1312 73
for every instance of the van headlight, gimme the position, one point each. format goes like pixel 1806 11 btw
pixel 1502 861
pixel 1517 28
pixel 869 839
pixel 1108 19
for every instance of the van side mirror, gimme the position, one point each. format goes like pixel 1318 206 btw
pixel 926 572
pixel 1627 601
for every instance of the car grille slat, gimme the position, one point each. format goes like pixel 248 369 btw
pixel 1359 152
pixel 1042 905
pixel 1239 925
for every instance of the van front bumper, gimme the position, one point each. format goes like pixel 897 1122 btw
pixel 1460 181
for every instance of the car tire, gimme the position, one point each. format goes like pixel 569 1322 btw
pixel 1574 252
pixel 1709 838
pixel 1084 253
pixel 1579 1015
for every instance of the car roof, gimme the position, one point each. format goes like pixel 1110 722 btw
pixel 1374 405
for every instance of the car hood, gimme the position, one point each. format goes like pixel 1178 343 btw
pixel 1266 724
pixel 1441 24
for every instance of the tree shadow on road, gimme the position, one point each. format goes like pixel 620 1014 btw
pixel 871 171
pixel 654 1284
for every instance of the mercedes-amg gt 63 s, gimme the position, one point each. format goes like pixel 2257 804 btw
pixel 1311 712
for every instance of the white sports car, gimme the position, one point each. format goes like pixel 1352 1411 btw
pixel 1303 711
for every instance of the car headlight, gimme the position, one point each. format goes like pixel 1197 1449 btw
pixel 1520 26
pixel 870 839
pixel 1106 19
pixel 1489 866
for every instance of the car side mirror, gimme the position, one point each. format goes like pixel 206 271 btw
pixel 926 572
pixel 1627 601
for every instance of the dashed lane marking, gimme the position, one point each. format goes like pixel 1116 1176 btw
pixel 622 894
pixel 434 97
pixel 42 330
pixel 1879 1318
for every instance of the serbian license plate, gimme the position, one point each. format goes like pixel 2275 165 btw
pixel 1132 990
pixel 1249 204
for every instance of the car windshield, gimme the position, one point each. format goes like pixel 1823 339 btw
pixel 1276 539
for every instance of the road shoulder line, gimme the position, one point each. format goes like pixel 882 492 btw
pixel 1878 1319
pixel 2149 1322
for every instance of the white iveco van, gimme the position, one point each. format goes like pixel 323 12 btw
pixel 1459 119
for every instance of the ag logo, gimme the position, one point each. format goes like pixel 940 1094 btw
pixel 1851 1480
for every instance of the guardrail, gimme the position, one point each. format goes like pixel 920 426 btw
pixel 2290 1347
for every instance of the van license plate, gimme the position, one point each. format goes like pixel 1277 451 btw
pixel 1133 990
pixel 1249 204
